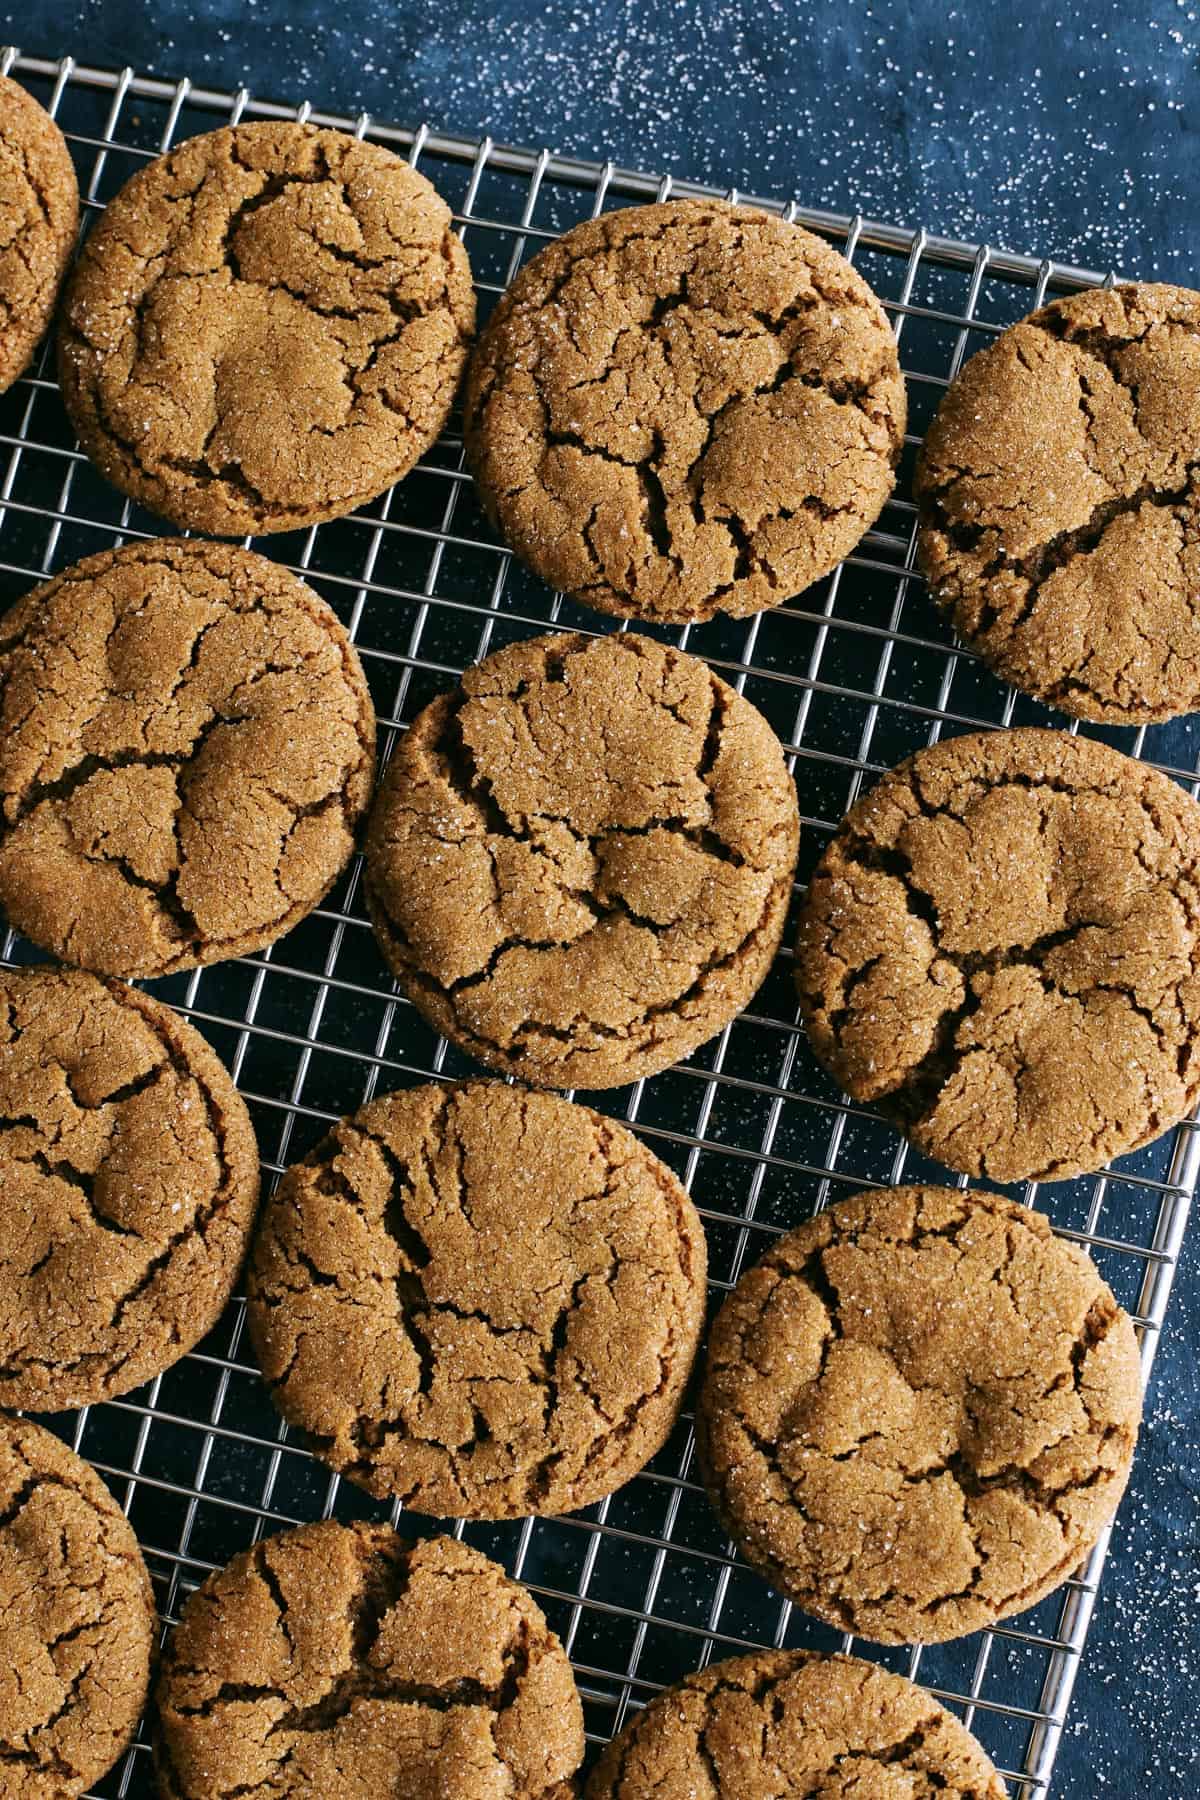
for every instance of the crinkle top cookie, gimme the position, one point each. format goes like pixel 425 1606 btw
pixel 919 1412
pixel 187 745
pixel 1060 504
pixel 685 409
pixel 579 864
pixel 39 215
pixel 789 1722
pixel 76 1620
pixel 1001 948
pixel 130 1178
pixel 266 328
pixel 346 1662
pixel 481 1300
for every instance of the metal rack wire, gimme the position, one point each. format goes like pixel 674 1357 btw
pixel 853 675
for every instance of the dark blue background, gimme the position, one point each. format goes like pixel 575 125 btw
pixel 1064 129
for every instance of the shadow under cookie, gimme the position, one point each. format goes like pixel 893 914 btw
pixel 479 1300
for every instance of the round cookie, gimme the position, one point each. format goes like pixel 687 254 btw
pixel 78 1620
pixel 481 1300
pixel 1001 948
pixel 39 216
pixel 919 1412
pixel 266 328
pixel 1060 509
pixel 818 1725
pixel 342 1661
pixel 579 864
pixel 130 1178
pixel 685 409
pixel 187 744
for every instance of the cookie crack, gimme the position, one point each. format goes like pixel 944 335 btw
pixel 84 1183
pixel 412 280
pixel 1036 567
pixel 365 1678
pixel 1042 1495
pixel 918 1085
pixel 532 1027
pixel 547 1358
pixel 656 500
pixel 112 1360
pixel 515 346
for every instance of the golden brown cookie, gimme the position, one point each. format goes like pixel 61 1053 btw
pixel 919 1412
pixel 130 1176
pixel 76 1620
pixel 579 864
pixel 789 1722
pixel 1001 948
pixel 1060 505
pixel 481 1300
pixel 187 744
pixel 266 328
pixel 685 409
pixel 343 1662
pixel 39 216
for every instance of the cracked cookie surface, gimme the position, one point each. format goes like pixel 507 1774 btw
pixel 919 1412
pixel 39 215
pixel 685 409
pixel 130 1176
pixel 1001 949
pixel 187 744
pixel 1060 504
pixel 342 1661
pixel 76 1620
pixel 579 864
pixel 784 1722
pixel 266 328
pixel 482 1300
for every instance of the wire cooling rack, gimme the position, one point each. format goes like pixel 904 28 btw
pixel 855 674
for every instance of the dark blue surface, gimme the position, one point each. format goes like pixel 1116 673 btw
pixel 1065 129
pixel 1070 126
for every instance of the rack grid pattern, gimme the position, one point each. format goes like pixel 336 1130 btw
pixel 854 674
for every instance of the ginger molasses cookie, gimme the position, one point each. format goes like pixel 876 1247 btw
pixel 919 1412
pixel 39 215
pixel 187 744
pixel 130 1177
pixel 482 1300
pixel 1060 504
pixel 342 1661
pixel 818 1725
pixel 579 864
pixel 78 1620
pixel 685 409
pixel 266 328
pixel 1001 948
